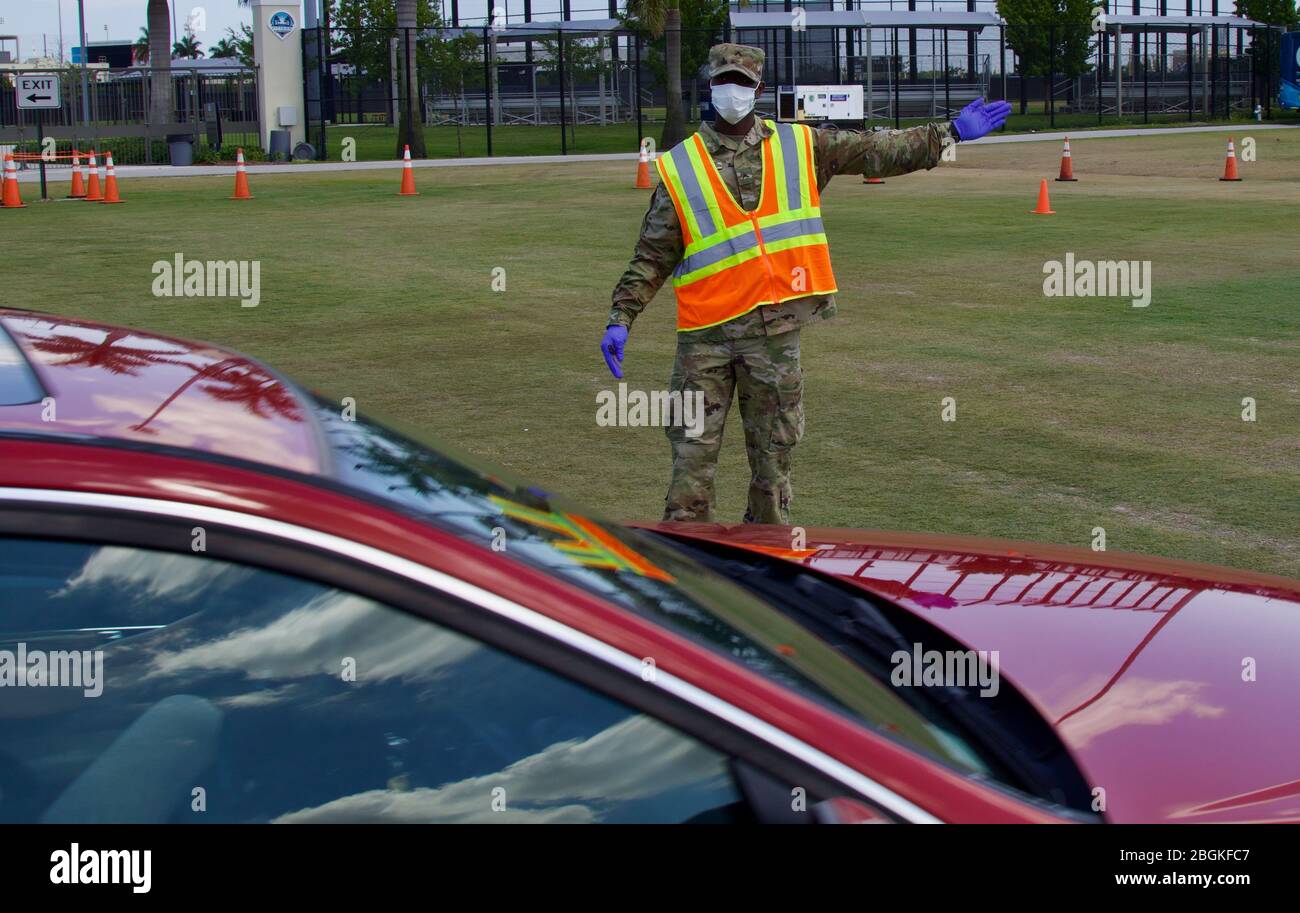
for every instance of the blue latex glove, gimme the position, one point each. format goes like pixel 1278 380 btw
pixel 612 348
pixel 977 118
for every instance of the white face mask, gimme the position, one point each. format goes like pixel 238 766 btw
pixel 733 102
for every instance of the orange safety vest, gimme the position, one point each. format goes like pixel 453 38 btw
pixel 735 261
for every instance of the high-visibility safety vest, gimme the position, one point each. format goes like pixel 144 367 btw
pixel 735 261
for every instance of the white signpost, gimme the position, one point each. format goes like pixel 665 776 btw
pixel 37 90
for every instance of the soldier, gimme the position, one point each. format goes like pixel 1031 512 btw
pixel 736 222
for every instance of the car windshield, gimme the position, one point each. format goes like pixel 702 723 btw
pixel 631 569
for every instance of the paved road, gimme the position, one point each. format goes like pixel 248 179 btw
pixel 148 171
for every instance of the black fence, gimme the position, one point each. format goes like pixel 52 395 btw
pixel 524 89
pixel 115 109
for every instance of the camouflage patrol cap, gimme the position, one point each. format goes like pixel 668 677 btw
pixel 738 58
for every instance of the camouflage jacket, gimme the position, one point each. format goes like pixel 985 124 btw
pixel 740 162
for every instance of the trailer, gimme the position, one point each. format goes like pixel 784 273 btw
pixel 820 104
pixel 1288 95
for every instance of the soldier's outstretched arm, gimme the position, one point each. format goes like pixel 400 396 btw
pixel 878 154
pixel 886 153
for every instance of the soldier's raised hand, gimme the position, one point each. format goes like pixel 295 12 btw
pixel 978 118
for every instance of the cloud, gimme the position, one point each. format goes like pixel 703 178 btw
pixel 569 782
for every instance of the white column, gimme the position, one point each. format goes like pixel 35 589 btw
pixel 277 51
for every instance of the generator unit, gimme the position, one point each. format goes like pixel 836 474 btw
pixel 820 104
pixel 1288 95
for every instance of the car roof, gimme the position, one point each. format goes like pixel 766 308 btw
pixel 105 381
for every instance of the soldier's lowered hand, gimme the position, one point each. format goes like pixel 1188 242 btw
pixel 611 346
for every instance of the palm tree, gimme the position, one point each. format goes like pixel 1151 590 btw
pixel 664 17
pixel 140 50
pixel 224 48
pixel 410 130
pixel 160 59
pixel 188 47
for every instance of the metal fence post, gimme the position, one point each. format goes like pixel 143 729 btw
pixel 640 129
pixel 947 89
pixel 1119 72
pixel 1098 75
pixel 487 88
pixel 564 137
pixel 1146 78
pixel 898 123
pixel 326 85
pixel 1214 71
pixel 1002 61
pixel 1253 86
pixel 1051 74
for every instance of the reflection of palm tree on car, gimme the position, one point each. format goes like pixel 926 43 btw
pixel 106 353
pixel 258 391
pixel 231 380
pixel 254 388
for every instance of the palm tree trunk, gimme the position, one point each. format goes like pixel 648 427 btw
pixel 410 129
pixel 675 121
pixel 160 59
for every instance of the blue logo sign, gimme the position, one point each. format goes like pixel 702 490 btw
pixel 281 23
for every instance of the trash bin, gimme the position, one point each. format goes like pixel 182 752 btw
pixel 180 149
pixel 279 145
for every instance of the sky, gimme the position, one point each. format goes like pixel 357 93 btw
pixel 36 22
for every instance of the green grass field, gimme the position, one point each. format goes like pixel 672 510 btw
pixel 1072 413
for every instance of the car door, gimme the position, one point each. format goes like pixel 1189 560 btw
pixel 152 680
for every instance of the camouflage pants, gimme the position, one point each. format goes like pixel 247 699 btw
pixel 764 371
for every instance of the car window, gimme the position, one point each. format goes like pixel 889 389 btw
pixel 637 571
pixel 139 685
pixel 18 385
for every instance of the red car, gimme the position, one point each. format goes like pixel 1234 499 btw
pixel 226 599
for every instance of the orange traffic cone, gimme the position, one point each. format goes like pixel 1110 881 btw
pixel 1230 166
pixel 1044 202
pixel 643 169
pixel 1067 163
pixel 241 177
pixel 92 185
pixel 110 182
pixel 408 175
pixel 867 180
pixel 9 193
pixel 78 190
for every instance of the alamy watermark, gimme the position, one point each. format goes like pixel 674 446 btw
pixel 626 408
pixel 946 669
pixel 1098 279
pixel 181 278
pixel 23 668
pixel 77 866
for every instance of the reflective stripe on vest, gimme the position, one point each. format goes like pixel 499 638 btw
pixel 736 260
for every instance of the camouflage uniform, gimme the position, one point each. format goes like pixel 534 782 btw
pixel 758 352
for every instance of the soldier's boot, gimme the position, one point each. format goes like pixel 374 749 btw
pixel 698 368
pixel 770 387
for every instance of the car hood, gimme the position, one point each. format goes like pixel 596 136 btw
pixel 1175 685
